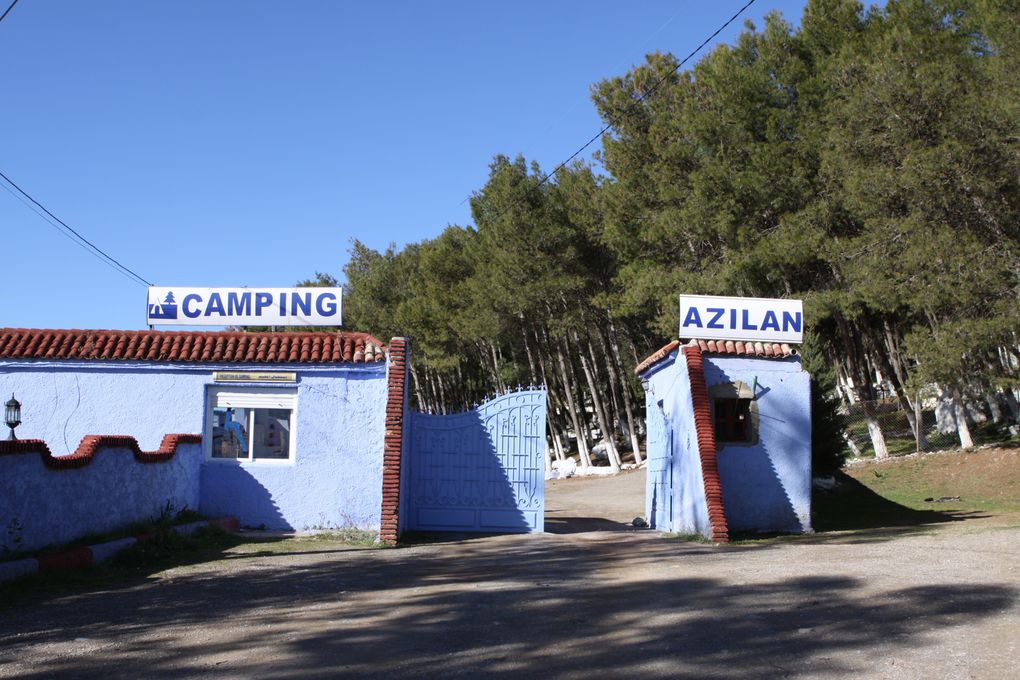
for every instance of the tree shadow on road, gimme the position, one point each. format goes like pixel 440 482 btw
pixel 501 607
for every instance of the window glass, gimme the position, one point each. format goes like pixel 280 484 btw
pixel 272 433
pixel 230 432
pixel 733 420
pixel 256 424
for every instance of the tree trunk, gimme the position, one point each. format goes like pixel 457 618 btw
pixel 960 411
pixel 434 400
pixel 992 399
pixel 856 363
pixel 874 430
pixel 443 403
pixel 422 405
pixel 577 391
pixel 500 387
pixel 635 441
pixel 852 445
pixel 531 359
pixel 548 453
pixel 894 378
pixel 1012 404
pixel 919 439
pixel 558 430
pixel 607 433
pixel 615 415
pixel 580 436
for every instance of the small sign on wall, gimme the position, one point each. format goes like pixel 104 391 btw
pixel 255 376
pixel 712 317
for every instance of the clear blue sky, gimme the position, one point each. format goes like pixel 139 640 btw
pixel 246 143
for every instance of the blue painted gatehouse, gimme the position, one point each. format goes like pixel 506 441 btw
pixel 729 438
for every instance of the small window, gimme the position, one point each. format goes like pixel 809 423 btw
pixel 251 425
pixel 734 414
pixel 733 420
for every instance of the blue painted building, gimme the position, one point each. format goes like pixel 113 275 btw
pixel 729 438
pixel 292 425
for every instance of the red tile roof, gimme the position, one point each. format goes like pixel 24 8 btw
pixel 766 350
pixel 706 445
pixel 225 347
pixel 658 356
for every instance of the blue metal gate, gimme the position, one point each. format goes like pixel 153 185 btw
pixel 482 470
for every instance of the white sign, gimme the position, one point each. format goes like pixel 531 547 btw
pixel 734 318
pixel 186 306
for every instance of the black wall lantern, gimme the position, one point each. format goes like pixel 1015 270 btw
pixel 12 416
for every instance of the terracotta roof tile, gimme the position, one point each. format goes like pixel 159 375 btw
pixel 767 350
pixel 201 346
pixel 656 357
pixel 772 350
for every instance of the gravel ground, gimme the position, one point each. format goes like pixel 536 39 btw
pixel 596 599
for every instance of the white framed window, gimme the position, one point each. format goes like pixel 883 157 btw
pixel 251 424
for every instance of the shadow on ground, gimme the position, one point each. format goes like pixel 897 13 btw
pixel 510 606
pixel 853 506
pixel 578 525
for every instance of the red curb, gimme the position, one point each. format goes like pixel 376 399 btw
pixel 231 524
pixel 77 558
pixel 71 559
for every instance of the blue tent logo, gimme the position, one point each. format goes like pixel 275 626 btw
pixel 165 310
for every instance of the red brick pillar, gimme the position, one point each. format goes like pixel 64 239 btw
pixel 706 445
pixel 393 444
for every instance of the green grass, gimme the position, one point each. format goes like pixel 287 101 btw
pixel 347 538
pixel 895 492
pixel 690 538
pixel 980 487
pixel 128 566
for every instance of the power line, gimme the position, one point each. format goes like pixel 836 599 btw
pixel 63 227
pixel 647 93
pixel 76 237
pixel 8 10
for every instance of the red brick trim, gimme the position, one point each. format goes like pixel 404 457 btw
pixel 706 445
pixel 91 444
pixel 393 443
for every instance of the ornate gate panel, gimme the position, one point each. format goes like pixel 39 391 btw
pixel 481 470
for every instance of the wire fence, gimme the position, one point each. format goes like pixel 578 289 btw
pixel 938 428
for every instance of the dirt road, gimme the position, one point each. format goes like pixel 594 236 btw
pixel 939 602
